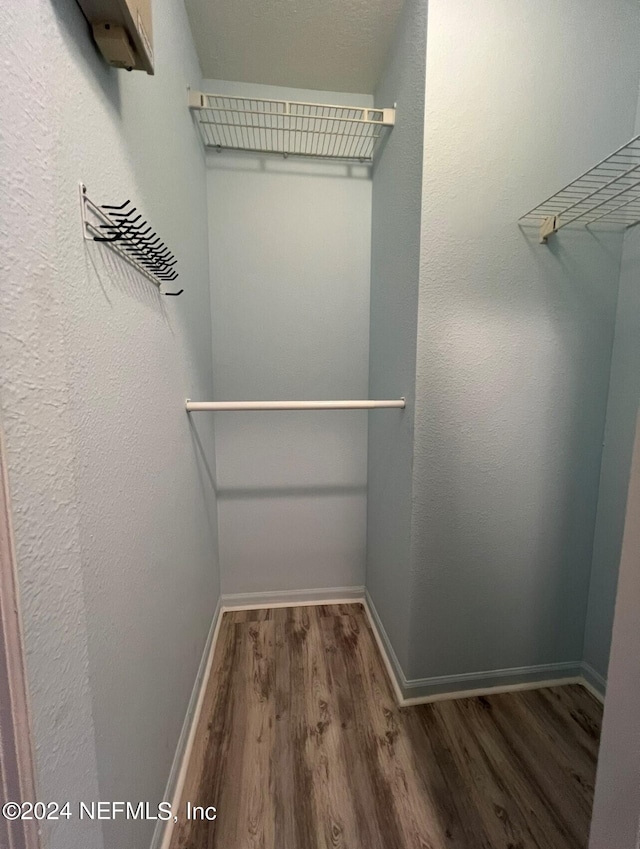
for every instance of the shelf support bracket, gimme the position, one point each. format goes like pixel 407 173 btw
pixel 195 99
pixel 549 226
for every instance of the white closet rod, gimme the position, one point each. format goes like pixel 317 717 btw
pixel 220 406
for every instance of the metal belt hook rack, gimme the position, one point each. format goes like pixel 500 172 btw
pixel 123 229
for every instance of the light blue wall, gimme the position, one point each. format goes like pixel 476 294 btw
pixel 514 338
pixel 622 408
pixel 290 245
pixel 395 264
pixel 112 486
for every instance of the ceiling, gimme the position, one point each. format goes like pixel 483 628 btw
pixel 327 45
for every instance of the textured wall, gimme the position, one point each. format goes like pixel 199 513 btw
pixel 395 263
pixel 514 339
pixel 112 488
pixel 290 252
pixel 622 407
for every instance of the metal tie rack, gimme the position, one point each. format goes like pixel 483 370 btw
pixel 122 229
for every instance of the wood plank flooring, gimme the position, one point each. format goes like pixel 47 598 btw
pixel 300 745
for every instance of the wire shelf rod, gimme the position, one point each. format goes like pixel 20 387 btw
pixel 281 115
pixel 229 406
pixel 307 132
pixel 197 100
pixel 364 160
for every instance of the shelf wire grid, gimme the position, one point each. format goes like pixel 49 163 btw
pixel 607 194
pixel 291 128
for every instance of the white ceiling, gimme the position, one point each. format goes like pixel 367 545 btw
pixel 327 45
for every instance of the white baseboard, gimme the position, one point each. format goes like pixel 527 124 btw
pixel 470 685
pixel 418 691
pixel 175 784
pixel 593 681
pixel 389 657
pixel 292 598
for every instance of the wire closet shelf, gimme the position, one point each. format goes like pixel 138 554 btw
pixel 607 194
pixel 291 128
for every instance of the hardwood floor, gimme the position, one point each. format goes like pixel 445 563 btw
pixel 300 745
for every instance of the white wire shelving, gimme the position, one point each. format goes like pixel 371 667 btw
pixel 607 194
pixel 290 128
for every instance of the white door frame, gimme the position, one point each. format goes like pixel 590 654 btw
pixel 17 776
pixel 616 809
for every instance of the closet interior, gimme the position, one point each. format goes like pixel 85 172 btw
pixel 326 543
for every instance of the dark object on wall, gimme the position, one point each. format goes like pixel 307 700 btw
pixel 124 230
pixel 123 32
